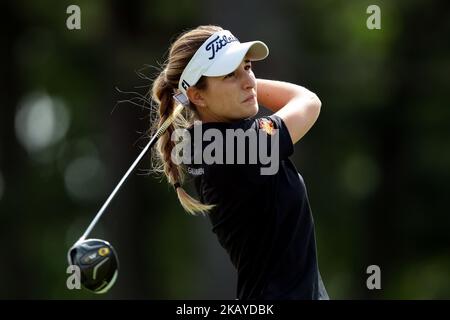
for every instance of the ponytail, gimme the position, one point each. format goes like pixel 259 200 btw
pixel 162 94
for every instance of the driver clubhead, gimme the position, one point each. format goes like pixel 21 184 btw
pixel 98 264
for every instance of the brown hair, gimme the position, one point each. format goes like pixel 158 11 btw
pixel 164 86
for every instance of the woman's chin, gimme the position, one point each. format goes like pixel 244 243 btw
pixel 249 111
pixel 253 110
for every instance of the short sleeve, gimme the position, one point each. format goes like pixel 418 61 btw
pixel 274 132
pixel 270 145
pixel 286 146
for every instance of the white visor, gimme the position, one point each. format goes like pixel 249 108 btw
pixel 220 55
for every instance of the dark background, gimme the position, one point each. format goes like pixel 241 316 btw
pixel 376 163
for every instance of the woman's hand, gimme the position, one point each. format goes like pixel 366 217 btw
pixel 297 106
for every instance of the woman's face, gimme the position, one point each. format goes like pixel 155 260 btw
pixel 229 98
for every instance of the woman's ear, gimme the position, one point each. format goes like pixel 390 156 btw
pixel 196 96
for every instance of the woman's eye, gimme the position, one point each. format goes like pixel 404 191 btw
pixel 229 75
pixel 232 74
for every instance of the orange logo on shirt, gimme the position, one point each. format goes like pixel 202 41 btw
pixel 267 126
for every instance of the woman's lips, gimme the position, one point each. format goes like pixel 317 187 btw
pixel 249 98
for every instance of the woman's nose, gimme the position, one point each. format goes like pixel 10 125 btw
pixel 248 80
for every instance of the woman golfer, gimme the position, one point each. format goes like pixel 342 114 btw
pixel 252 193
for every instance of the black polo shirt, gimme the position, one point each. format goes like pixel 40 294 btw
pixel 263 221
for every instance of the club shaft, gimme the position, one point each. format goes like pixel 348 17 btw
pixel 153 140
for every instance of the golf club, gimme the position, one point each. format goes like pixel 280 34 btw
pixel 97 260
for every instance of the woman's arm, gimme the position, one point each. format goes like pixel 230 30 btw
pixel 297 106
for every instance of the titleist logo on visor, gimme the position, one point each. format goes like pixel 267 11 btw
pixel 218 43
